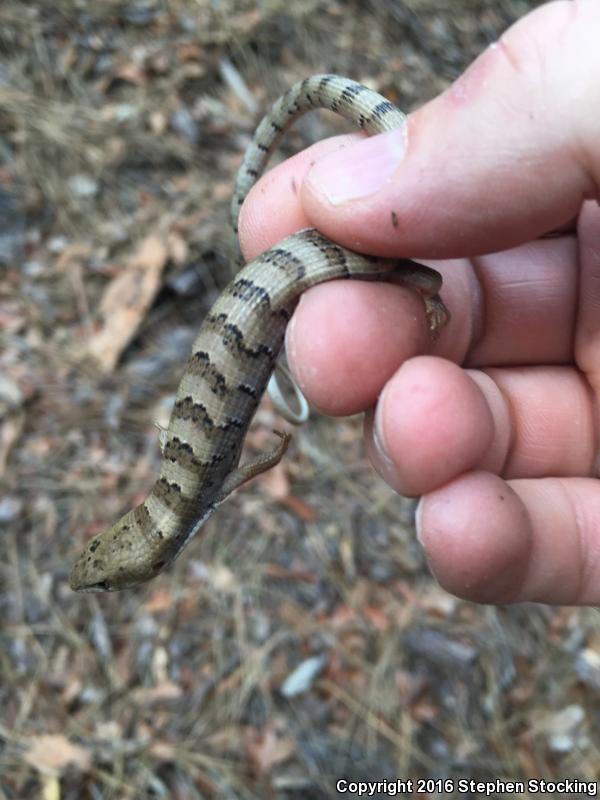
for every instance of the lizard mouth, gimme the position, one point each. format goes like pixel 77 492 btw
pixel 99 586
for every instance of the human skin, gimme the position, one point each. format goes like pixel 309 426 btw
pixel 495 424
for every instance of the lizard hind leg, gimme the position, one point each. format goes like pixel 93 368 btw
pixel 427 282
pixel 261 464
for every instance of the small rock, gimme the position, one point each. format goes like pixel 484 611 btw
pixel 587 665
pixel 125 111
pixel 187 22
pixel 33 268
pixel 184 124
pixel 187 282
pixel 10 394
pixel 83 185
pixel 100 637
pixel 440 649
pixel 57 244
pixel 10 508
pixel 562 729
pixel 302 678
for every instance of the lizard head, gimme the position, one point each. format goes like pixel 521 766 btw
pixel 115 560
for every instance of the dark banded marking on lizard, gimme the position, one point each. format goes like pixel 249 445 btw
pixel 234 354
pixel 182 453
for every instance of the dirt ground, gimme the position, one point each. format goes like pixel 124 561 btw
pixel 300 639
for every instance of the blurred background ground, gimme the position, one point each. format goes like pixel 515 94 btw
pixel 301 639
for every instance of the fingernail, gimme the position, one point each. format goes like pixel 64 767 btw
pixel 419 532
pixel 419 520
pixel 359 170
pixel 386 467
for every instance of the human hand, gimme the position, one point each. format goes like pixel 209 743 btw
pixel 498 429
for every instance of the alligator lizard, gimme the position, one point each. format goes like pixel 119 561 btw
pixel 234 356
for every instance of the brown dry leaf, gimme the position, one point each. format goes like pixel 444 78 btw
pixel 279 572
pixel 343 616
pixel 76 252
pixel 338 673
pixel 522 693
pixel 164 751
pixel 52 753
pixel 221 190
pixel 190 52
pixel 376 617
pixel 276 482
pixel 159 600
pixel 300 508
pixel 12 316
pixel 291 615
pixel 410 686
pixel 424 711
pixel 109 730
pixel 131 73
pixel 268 748
pixel 126 300
pixel 158 122
pixel 178 248
pixel 72 690
pixel 165 690
pixel 222 578
pixel 438 602
pixel 593 641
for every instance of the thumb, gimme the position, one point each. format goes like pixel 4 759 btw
pixel 507 153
